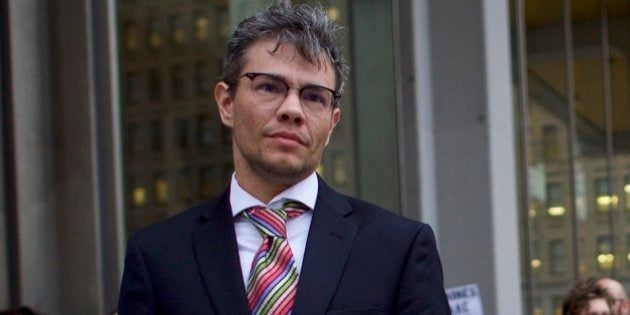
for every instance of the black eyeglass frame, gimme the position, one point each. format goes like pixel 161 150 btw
pixel 252 75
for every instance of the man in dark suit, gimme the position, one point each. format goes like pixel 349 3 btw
pixel 279 240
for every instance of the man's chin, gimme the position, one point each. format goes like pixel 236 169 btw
pixel 284 171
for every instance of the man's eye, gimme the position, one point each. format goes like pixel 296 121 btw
pixel 269 87
pixel 315 97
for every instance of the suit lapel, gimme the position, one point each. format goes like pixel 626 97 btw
pixel 329 242
pixel 216 251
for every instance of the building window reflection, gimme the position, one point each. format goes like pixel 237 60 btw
pixel 137 192
pixel 207 182
pixel 536 261
pixel 555 200
pixel 154 30
pixel 558 256
pixel 575 130
pixel 155 85
pixel 181 134
pixel 177 153
pixel 202 28
pixel 132 88
pixel 177 30
pixel 184 186
pixel 207 131
pixel 130 37
pixel 605 257
pixel 557 304
pixel 156 136
pixel 550 143
pixel 161 189
pixel 604 200
pixel 203 78
pixel 178 82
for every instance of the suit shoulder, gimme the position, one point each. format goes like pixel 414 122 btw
pixel 389 230
pixel 370 213
pixel 177 227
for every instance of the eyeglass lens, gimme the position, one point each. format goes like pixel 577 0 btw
pixel 274 90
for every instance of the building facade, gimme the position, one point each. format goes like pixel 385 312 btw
pixel 503 124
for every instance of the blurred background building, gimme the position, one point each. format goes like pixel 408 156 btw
pixel 505 124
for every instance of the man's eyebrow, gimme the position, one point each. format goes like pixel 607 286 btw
pixel 284 78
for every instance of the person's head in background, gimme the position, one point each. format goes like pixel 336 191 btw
pixel 621 305
pixel 587 298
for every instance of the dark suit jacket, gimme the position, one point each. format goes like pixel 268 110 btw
pixel 359 259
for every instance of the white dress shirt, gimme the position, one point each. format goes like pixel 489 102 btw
pixel 248 237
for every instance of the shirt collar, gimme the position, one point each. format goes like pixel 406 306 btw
pixel 304 191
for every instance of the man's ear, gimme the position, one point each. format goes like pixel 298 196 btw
pixel 225 103
pixel 336 115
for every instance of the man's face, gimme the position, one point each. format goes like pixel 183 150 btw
pixel 597 306
pixel 282 143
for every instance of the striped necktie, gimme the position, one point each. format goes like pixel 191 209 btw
pixel 272 283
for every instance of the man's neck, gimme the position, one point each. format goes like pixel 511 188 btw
pixel 263 186
pixel 260 189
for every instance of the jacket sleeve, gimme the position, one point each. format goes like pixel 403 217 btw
pixel 421 288
pixel 136 292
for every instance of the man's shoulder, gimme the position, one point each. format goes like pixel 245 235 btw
pixel 366 214
pixel 179 226
pixel 383 227
pixel 380 215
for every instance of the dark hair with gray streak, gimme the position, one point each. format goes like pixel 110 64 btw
pixel 306 28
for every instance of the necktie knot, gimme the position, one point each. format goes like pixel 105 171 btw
pixel 272 222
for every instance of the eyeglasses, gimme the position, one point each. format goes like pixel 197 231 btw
pixel 272 90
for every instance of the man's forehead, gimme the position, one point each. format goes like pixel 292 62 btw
pixel 284 60
pixel 288 52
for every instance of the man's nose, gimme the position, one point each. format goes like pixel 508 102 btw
pixel 290 109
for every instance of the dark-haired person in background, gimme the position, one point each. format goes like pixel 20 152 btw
pixel 588 298
pixel 279 240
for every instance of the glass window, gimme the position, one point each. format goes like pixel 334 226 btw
pixel 178 81
pixel 536 261
pixel 557 304
pixel 132 91
pixel 177 152
pixel 537 307
pixel 154 38
pixel 558 255
pixel 155 85
pixel 160 188
pixel 181 134
pixel 177 30
pixel 550 143
pixel 604 200
pixel 576 138
pixel 555 200
pixel 605 257
pixel 156 136
pixel 171 55
pixel 185 187
pixel 130 37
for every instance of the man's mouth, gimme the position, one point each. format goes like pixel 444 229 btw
pixel 283 135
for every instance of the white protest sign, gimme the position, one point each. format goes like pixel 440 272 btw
pixel 465 300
